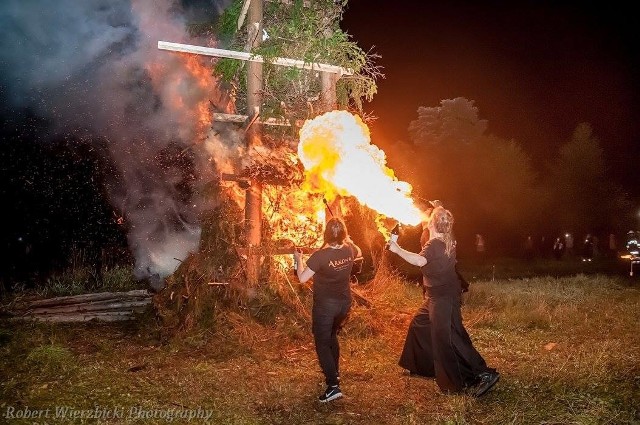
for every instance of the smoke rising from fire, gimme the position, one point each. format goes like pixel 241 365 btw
pixel 93 67
pixel 339 159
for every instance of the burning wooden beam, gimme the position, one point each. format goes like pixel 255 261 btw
pixel 235 178
pixel 260 250
pixel 245 56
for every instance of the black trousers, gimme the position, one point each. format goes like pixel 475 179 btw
pixel 437 345
pixel 327 317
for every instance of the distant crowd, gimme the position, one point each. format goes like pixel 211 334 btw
pixel 566 246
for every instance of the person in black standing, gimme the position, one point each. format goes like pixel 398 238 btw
pixel 330 267
pixel 587 248
pixel 632 245
pixel 558 248
pixel 437 343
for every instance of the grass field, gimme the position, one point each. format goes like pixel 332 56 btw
pixel 567 348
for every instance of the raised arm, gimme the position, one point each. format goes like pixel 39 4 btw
pixel 357 249
pixel 408 256
pixel 303 272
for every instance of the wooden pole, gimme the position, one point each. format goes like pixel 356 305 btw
pixel 253 135
pixel 329 102
pixel 328 80
pixel 242 119
pixel 243 13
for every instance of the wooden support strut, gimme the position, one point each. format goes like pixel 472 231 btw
pixel 243 182
pixel 251 119
pixel 253 251
pixel 243 13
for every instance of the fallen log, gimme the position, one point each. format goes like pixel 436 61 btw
pixel 103 306
pixel 111 316
pixel 74 299
pixel 86 307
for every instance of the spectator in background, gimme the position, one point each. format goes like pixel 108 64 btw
pixel 632 245
pixel 480 248
pixel 528 248
pixel 558 248
pixel 544 247
pixel 587 248
pixel 613 246
pixel 568 243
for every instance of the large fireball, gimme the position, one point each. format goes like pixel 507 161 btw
pixel 339 159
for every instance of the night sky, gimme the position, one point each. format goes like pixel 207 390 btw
pixel 535 69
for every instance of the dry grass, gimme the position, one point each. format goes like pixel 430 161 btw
pixel 568 350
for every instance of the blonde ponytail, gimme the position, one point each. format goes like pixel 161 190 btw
pixel 443 224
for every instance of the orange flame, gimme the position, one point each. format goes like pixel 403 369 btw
pixel 293 215
pixel 339 159
pixel 205 81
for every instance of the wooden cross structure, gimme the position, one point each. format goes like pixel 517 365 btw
pixel 329 75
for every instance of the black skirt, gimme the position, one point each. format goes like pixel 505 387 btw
pixel 438 345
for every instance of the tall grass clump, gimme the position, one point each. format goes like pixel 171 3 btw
pixel 78 280
pixel 387 300
pixel 50 358
pixel 73 281
pixel 118 279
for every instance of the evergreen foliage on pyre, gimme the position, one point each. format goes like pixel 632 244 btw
pixel 307 31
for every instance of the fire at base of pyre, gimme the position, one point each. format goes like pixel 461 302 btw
pixel 334 170
pixel 215 279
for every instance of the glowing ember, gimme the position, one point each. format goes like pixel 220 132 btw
pixel 339 159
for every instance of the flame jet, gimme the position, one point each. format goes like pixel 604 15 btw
pixel 339 159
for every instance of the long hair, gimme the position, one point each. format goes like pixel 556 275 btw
pixel 335 231
pixel 443 224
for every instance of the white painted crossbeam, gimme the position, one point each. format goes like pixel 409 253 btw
pixel 232 54
pixel 243 118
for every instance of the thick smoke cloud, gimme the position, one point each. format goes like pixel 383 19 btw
pixel 93 66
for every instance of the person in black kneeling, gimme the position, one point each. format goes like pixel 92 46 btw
pixel 330 267
pixel 437 344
